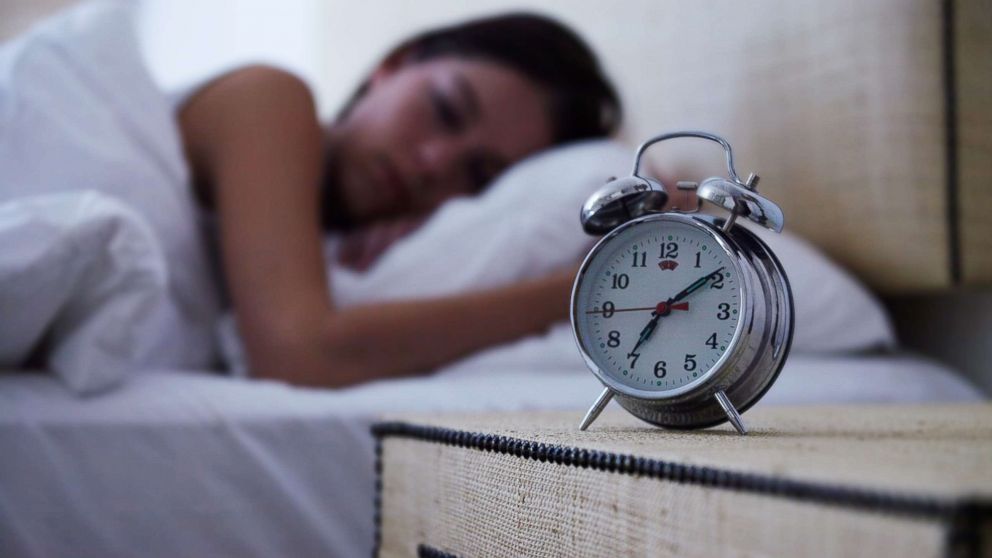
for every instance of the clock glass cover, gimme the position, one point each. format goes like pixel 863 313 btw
pixel 658 306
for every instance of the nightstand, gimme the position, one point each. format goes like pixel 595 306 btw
pixel 807 481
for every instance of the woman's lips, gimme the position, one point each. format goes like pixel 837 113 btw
pixel 393 183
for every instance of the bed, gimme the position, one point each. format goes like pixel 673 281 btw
pixel 178 459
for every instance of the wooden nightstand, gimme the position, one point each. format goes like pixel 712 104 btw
pixel 808 481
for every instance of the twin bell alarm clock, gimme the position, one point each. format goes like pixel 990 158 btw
pixel 686 318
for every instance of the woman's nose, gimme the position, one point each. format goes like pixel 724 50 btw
pixel 436 158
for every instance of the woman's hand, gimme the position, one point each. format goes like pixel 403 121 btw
pixel 361 248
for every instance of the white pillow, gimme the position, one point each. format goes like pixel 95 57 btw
pixel 835 313
pixel 527 224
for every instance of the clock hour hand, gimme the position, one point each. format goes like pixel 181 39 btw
pixel 646 332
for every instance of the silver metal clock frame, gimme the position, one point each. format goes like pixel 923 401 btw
pixel 763 335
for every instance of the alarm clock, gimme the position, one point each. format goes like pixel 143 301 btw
pixel 686 318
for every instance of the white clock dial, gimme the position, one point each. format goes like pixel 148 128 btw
pixel 658 305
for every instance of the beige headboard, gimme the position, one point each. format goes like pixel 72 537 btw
pixel 848 112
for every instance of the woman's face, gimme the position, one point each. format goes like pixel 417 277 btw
pixel 428 131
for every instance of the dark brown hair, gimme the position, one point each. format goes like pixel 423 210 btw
pixel 583 103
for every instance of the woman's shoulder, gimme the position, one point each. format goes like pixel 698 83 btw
pixel 256 98
pixel 225 123
pixel 253 83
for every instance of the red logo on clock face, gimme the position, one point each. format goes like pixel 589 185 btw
pixel 668 264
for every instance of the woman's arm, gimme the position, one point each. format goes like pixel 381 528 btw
pixel 254 138
pixel 409 337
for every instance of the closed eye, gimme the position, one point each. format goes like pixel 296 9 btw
pixel 445 112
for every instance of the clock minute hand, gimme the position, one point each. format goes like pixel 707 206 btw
pixel 695 286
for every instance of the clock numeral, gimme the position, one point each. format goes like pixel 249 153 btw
pixel 634 357
pixel 724 312
pixel 697 259
pixel 640 259
pixel 669 250
pixel 690 363
pixel 717 282
pixel 613 339
pixel 711 341
pixel 608 309
pixel 659 369
pixel 620 281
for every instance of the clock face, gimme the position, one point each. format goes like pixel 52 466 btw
pixel 658 305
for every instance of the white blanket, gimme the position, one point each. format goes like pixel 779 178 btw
pixel 80 114
pixel 84 279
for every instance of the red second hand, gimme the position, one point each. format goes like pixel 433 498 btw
pixel 659 308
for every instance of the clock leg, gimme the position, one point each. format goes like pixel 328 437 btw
pixel 596 408
pixel 732 414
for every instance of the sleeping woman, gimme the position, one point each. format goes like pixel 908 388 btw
pixel 439 117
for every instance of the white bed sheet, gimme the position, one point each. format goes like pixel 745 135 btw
pixel 186 464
